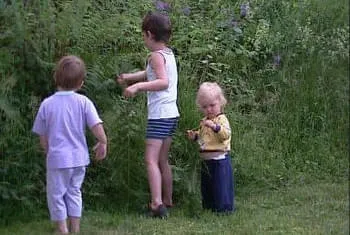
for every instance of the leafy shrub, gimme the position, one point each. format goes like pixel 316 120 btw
pixel 284 67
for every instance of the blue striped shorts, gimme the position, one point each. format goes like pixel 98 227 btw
pixel 161 128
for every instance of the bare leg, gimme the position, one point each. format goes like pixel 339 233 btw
pixel 153 147
pixel 74 224
pixel 61 227
pixel 166 174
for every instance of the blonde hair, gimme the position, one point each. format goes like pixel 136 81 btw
pixel 210 91
pixel 70 72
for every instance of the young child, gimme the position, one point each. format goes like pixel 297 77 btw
pixel 160 81
pixel 60 123
pixel 214 137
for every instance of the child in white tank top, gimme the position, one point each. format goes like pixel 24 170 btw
pixel 159 80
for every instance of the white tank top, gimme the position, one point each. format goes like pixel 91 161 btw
pixel 163 104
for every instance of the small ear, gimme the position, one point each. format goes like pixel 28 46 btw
pixel 149 34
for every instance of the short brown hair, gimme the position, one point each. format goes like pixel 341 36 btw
pixel 159 25
pixel 70 72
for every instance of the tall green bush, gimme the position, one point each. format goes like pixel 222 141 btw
pixel 284 68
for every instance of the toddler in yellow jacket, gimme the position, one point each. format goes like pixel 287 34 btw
pixel 214 139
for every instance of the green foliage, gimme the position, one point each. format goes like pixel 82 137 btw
pixel 284 68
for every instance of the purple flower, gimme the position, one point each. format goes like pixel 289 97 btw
pixel 162 6
pixel 276 60
pixel 244 10
pixel 186 11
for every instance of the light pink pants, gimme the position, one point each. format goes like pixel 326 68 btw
pixel 63 192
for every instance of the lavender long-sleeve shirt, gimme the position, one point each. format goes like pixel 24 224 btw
pixel 63 118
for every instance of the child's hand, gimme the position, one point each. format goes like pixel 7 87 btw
pixel 131 91
pixel 121 79
pixel 100 151
pixel 209 123
pixel 191 134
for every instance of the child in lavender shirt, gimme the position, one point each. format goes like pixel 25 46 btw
pixel 60 123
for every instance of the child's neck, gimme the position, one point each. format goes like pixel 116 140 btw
pixel 61 89
pixel 158 47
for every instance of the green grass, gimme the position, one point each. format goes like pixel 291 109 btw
pixel 318 208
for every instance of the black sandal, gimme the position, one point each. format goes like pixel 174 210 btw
pixel 169 206
pixel 161 212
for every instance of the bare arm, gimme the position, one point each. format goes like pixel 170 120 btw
pixel 127 78
pixel 161 82
pixel 44 143
pixel 99 133
pixel 101 147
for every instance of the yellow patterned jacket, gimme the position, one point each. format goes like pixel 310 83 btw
pixel 217 140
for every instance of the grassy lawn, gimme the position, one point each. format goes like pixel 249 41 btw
pixel 321 208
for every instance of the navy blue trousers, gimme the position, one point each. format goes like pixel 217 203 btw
pixel 217 185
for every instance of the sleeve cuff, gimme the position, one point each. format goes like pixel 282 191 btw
pixel 217 128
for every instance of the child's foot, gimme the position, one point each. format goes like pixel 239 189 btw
pixel 74 224
pixel 61 227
